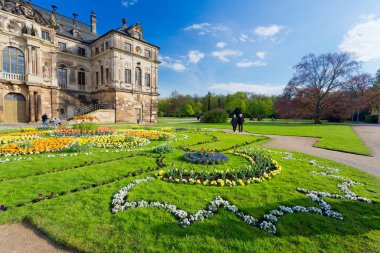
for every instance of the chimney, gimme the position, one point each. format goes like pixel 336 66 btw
pixel 124 22
pixel 93 22
pixel 75 19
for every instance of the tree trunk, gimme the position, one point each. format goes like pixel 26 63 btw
pixel 357 116
pixel 317 117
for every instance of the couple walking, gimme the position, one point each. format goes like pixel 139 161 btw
pixel 237 121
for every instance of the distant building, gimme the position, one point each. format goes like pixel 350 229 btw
pixel 58 65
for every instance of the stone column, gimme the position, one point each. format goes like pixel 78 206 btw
pixel 378 117
pixel 53 71
pixel 39 63
pixel 32 109
pixel 30 60
pixel 2 116
pixel 39 108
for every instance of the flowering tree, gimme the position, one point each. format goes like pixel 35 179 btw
pixel 320 76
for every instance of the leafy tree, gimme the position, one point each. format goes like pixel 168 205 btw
pixel 187 111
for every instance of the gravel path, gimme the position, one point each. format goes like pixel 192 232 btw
pixel 369 134
pixel 22 238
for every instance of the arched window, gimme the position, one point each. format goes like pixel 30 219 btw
pixel 81 77
pixel 62 76
pixel 138 76
pixel 13 61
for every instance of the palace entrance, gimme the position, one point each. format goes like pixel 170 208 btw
pixel 15 108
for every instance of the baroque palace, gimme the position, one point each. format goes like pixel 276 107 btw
pixel 58 65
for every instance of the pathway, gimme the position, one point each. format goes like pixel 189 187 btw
pixel 369 134
pixel 20 238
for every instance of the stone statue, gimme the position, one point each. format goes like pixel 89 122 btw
pixel 46 71
pixel 53 22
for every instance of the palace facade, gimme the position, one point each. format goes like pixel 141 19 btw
pixel 58 65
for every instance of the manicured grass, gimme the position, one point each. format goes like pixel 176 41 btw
pixel 175 119
pixel 334 137
pixel 80 216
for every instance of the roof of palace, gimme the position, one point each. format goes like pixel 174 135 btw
pixel 67 25
pixel 64 26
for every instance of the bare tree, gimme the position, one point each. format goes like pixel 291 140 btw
pixel 321 75
pixel 358 86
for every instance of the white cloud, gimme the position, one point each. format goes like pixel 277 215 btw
pixel 168 62
pixel 268 31
pixel 243 37
pixel 232 87
pixel 261 54
pixel 247 63
pixel 221 44
pixel 201 26
pixel 195 56
pixel 363 39
pixel 223 55
pixel 206 28
pixel 127 3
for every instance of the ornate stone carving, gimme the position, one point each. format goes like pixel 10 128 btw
pixel 21 8
pixel 15 88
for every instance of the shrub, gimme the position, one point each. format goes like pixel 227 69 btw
pixel 163 149
pixel 85 126
pixel 215 116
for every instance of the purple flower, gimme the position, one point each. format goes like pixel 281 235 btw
pixel 2 208
pixel 40 196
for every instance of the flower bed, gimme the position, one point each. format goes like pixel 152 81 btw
pixel 85 118
pixel 151 135
pixel 25 133
pixel 262 168
pixel 116 141
pixel 205 157
pixel 12 139
pixel 78 132
pixel 36 147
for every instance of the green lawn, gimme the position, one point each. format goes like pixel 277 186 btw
pixel 175 119
pixel 79 215
pixel 334 137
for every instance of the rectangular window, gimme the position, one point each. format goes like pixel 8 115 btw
pixel 62 46
pixel 107 45
pixel 45 35
pixel 102 74
pixel 127 47
pixel 81 78
pixel 107 75
pixel 97 50
pixel 97 78
pixel 147 53
pixel 62 78
pixel 147 79
pixel 128 76
pixel 81 51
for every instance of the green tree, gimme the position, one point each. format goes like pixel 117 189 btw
pixel 187 111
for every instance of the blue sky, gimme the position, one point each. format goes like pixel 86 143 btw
pixel 226 46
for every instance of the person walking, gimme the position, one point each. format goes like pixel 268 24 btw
pixel 234 122
pixel 45 119
pixel 240 122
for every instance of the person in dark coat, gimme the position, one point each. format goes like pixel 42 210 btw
pixel 45 120
pixel 234 122
pixel 240 122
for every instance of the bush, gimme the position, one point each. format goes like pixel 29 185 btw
pixel 85 126
pixel 163 149
pixel 215 116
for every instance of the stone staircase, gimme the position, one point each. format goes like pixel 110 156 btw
pixel 87 109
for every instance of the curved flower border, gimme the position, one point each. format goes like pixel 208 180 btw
pixel 266 223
